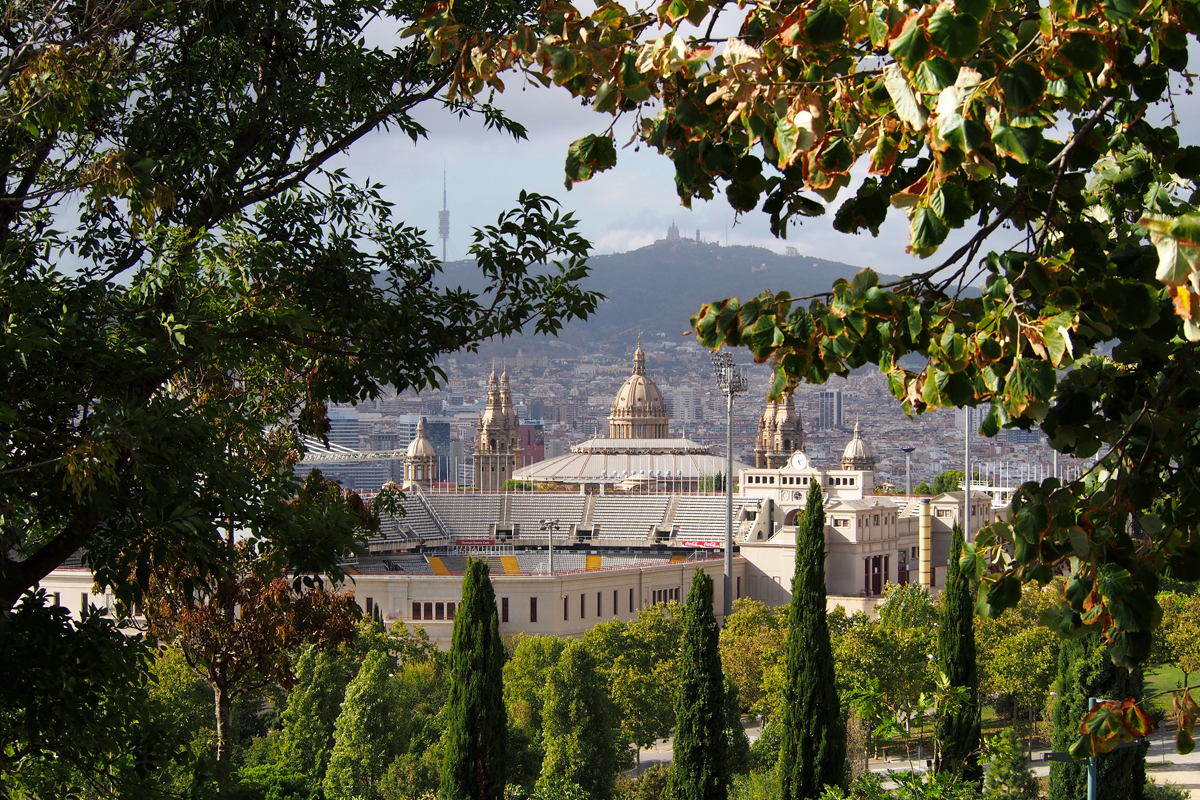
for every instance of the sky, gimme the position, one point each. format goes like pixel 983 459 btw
pixel 619 210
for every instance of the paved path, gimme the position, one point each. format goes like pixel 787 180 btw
pixel 1163 764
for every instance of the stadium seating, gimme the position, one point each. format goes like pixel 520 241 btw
pixel 467 515
pixel 528 510
pixel 629 517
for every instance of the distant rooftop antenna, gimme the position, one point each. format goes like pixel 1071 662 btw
pixel 444 218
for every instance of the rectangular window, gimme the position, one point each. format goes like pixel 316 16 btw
pixel 582 606
pixel 566 614
pixel 599 605
pixel 439 611
pixel 914 552
pixel 450 609
pixel 739 587
pixel 504 609
pixel 370 605
pixel 429 611
pixel 83 603
pixel 630 599
pixel 875 520
pixel 533 609
pixel 615 610
pixel 416 610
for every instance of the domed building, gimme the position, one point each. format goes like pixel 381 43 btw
pixel 420 460
pixel 639 411
pixel 638 454
pixel 858 454
pixel 780 433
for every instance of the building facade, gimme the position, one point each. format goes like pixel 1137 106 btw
pixel 498 451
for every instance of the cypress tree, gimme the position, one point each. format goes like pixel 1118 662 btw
pixel 958 732
pixel 475 738
pixel 1086 670
pixel 812 753
pixel 700 766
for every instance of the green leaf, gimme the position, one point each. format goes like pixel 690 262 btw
pixel 877 25
pixel 975 8
pixel 933 75
pixel 910 46
pixel 863 280
pixel 587 156
pixel 955 35
pixel 1184 742
pixel 1007 143
pixel 823 25
pixel 1083 51
pixel 1023 85
pixel 1114 582
pixel 926 231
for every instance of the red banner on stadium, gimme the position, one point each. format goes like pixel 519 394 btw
pixel 707 544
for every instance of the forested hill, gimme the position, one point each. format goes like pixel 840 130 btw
pixel 657 288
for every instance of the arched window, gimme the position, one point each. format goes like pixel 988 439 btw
pixel 787 445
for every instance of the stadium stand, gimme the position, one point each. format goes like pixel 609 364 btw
pixel 704 517
pixel 629 517
pixel 528 510
pixel 467 515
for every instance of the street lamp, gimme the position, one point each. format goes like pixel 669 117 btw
pixel 550 526
pixel 907 450
pixel 732 382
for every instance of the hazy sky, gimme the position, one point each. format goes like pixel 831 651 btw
pixel 625 208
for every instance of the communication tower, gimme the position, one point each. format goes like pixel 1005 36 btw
pixel 444 218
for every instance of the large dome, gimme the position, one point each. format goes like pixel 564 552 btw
pixel 420 446
pixel 639 411
pixel 858 454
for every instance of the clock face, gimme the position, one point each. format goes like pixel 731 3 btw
pixel 799 460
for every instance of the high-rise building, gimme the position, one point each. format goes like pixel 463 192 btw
pixel 830 409
pixel 343 426
pixel 685 405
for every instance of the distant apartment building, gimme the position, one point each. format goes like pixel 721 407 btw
pixel 829 415
pixel 1018 436
pixel 343 426
pixel 533 441
pixel 685 405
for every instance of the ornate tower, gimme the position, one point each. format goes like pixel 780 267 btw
pixel 780 433
pixel 497 437
pixel 858 454
pixel 420 460
pixel 639 411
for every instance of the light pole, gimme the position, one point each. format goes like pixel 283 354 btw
pixel 907 450
pixel 550 526
pixel 732 382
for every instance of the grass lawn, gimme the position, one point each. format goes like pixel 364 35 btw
pixel 1163 679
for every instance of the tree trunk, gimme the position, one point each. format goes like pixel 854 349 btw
pixel 224 709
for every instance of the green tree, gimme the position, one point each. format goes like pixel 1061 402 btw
pixel 313 706
pixel 182 255
pixel 923 488
pixel 985 115
pixel 1176 638
pixel 637 659
pixel 1017 655
pixel 737 744
pixel 475 739
pixel 958 727
pixel 276 782
pixel 525 676
pixel 751 640
pixel 1086 670
pixel 947 481
pixel 1008 776
pixel 369 733
pixel 580 726
pixel 700 768
pixel 813 750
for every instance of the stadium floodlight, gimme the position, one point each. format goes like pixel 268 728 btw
pixel 731 381
pixel 550 526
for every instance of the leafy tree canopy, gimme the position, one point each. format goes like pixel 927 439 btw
pixel 1055 120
